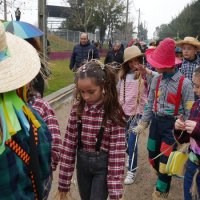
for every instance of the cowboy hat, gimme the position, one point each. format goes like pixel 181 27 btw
pixel 19 61
pixel 163 56
pixel 131 52
pixel 189 40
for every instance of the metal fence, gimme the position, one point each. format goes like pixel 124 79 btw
pixel 71 37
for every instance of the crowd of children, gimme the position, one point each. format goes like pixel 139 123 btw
pixel 109 111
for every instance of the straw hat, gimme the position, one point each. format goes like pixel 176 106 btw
pixel 131 52
pixel 189 40
pixel 163 56
pixel 19 61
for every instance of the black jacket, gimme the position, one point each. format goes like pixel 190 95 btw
pixel 114 57
pixel 81 53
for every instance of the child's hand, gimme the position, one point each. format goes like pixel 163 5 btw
pixel 190 125
pixel 141 68
pixel 180 125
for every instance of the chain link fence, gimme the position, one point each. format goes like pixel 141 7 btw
pixel 64 39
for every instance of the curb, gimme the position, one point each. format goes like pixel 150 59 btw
pixel 61 96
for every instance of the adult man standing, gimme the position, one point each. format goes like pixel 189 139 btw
pixel 83 51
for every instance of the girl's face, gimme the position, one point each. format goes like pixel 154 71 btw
pixel 196 84
pixel 90 92
pixel 133 64
pixel 189 51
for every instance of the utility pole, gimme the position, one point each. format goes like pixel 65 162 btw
pixel 126 28
pixel 5 10
pixel 42 23
pixel 138 24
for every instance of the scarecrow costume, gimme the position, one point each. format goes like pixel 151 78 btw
pixel 188 66
pixel 132 97
pixel 25 141
pixel 170 95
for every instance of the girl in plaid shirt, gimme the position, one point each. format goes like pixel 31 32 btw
pixel 191 133
pixel 94 136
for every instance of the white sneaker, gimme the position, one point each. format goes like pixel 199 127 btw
pixel 130 178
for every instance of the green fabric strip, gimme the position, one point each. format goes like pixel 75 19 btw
pixel 161 186
pixel 151 144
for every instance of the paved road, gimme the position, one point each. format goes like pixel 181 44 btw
pixel 145 179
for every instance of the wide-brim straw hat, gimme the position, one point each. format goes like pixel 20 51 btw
pixel 163 56
pixel 189 40
pixel 19 61
pixel 131 52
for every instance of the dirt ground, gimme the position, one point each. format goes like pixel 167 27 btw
pixel 145 178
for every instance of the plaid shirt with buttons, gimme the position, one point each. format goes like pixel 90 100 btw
pixel 48 115
pixel 113 142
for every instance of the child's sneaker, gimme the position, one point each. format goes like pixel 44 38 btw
pixel 130 178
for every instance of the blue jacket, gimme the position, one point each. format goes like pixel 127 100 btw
pixel 81 53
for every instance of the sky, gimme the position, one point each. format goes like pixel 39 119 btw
pixel 156 12
pixel 152 12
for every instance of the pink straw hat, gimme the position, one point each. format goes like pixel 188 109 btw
pixel 163 56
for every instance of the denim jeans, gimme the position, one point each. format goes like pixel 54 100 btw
pixel 132 146
pixel 188 178
pixel 92 170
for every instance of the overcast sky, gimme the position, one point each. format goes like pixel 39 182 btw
pixel 153 12
pixel 157 12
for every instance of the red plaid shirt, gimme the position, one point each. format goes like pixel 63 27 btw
pixel 113 142
pixel 48 115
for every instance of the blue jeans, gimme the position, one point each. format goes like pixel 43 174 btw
pixel 188 178
pixel 132 146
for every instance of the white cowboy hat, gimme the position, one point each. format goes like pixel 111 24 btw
pixel 19 61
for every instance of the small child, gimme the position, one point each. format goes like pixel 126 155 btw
pixel 191 133
pixel 132 97
pixel 170 94
pixel 95 136
pixel 191 61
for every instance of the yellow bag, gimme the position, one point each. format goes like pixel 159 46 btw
pixel 176 163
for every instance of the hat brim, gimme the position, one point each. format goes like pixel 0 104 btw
pixel 193 43
pixel 155 64
pixel 139 55
pixel 22 65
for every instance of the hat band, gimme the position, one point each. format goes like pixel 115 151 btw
pixel 4 54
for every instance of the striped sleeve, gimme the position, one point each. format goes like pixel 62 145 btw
pixel 116 162
pixel 68 154
pixel 149 110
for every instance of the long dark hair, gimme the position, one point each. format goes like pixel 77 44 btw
pixel 105 77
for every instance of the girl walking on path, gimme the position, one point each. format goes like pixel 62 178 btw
pixel 94 136
pixel 133 97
